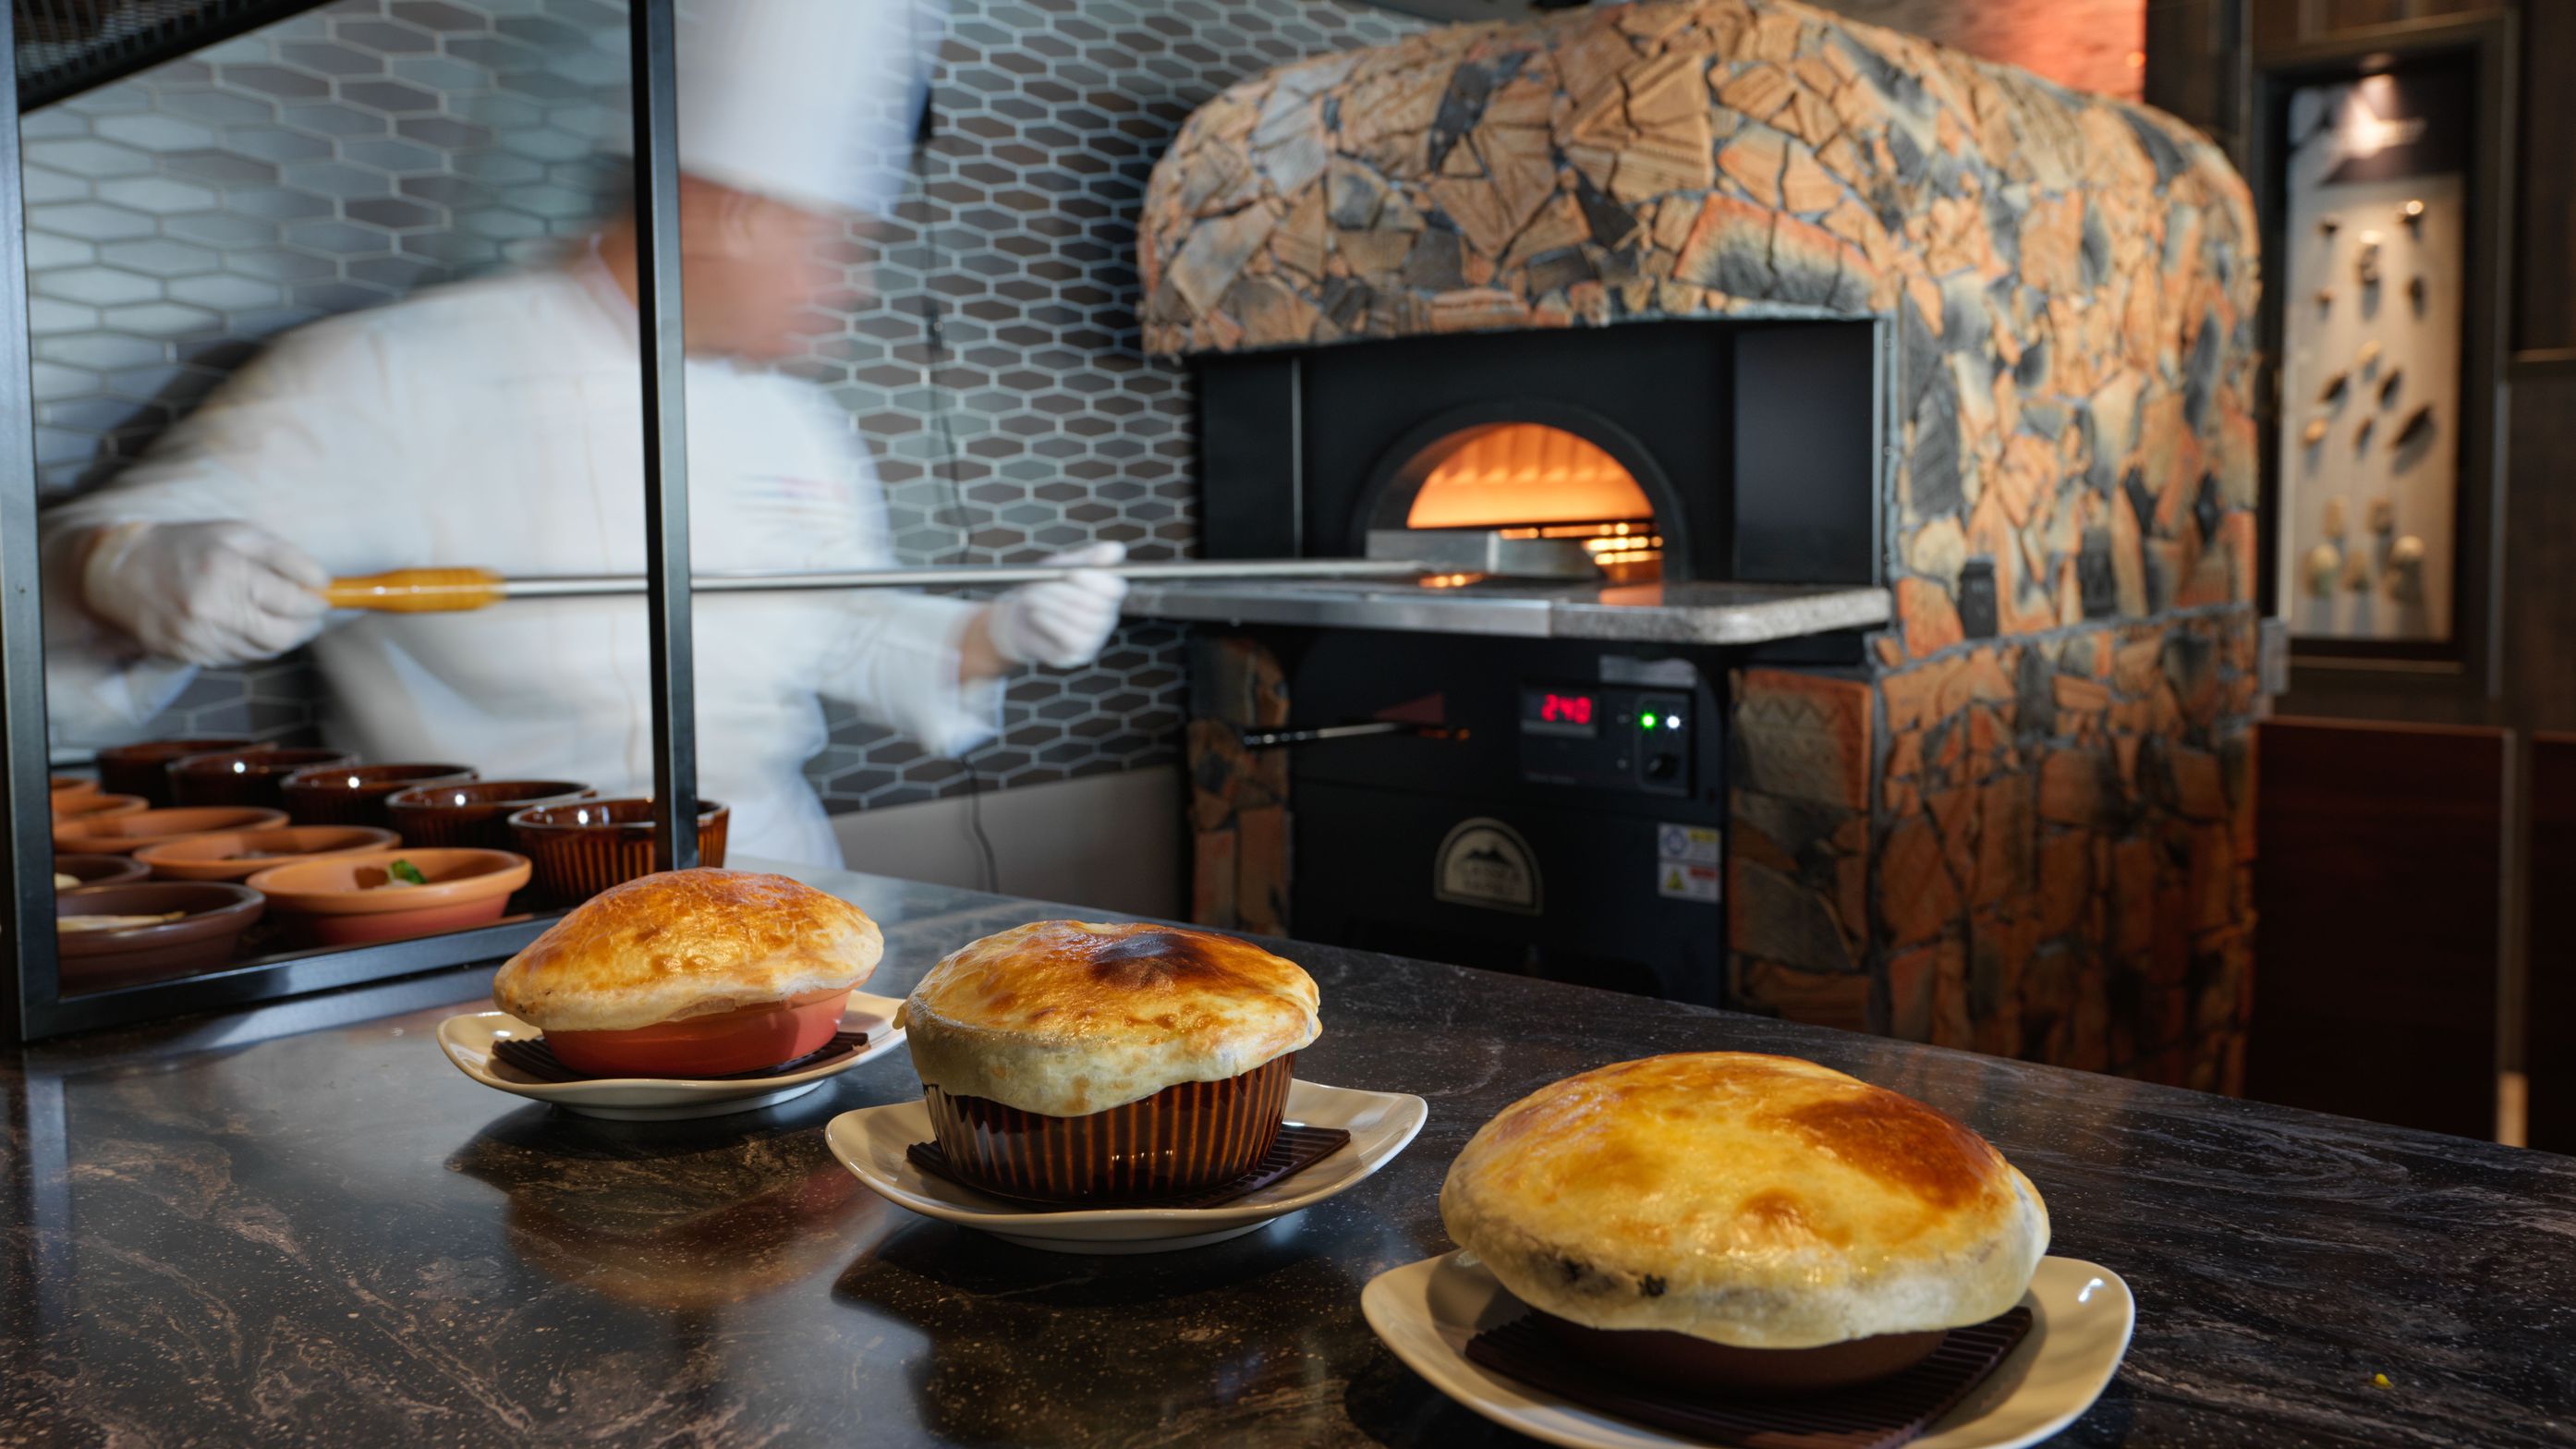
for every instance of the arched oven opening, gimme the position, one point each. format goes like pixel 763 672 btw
pixel 1531 470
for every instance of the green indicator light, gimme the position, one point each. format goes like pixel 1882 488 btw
pixel 1647 720
pixel 1672 721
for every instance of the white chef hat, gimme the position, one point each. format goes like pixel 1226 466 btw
pixel 813 102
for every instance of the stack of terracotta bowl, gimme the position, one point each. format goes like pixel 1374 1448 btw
pixel 187 843
pixel 335 852
pixel 395 886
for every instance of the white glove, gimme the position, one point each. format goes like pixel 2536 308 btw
pixel 205 593
pixel 1062 622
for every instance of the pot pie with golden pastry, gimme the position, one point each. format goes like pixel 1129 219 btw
pixel 1734 1220
pixel 1064 1060
pixel 692 973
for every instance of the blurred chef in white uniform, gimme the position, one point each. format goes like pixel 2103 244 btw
pixel 497 423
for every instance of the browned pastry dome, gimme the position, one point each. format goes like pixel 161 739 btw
pixel 1759 1201
pixel 683 944
pixel 1067 1018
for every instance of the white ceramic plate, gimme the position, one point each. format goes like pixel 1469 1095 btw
pixel 872 1140
pixel 468 1042
pixel 2081 1317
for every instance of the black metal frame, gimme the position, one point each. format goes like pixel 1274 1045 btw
pixel 33 1006
pixel 2469 664
pixel 170 29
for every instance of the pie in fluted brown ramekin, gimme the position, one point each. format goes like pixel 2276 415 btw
pixel 1065 1061
pixel 1727 1219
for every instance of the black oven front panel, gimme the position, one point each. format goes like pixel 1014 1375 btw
pixel 1554 722
pixel 1565 819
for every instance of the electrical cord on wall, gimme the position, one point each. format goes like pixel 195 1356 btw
pixel 945 463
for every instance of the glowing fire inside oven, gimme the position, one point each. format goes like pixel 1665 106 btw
pixel 1529 480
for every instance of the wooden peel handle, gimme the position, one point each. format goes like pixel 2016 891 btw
pixel 418 591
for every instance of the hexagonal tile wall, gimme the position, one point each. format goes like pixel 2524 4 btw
pixel 350 155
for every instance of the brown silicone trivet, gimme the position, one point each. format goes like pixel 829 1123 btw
pixel 1894 1410
pixel 1294 1150
pixel 534 1057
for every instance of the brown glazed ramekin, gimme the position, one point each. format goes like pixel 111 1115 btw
pixel 474 814
pixel 1181 1139
pixel 356 794
pixel 583 848
pixel 245 777
pixel 144 769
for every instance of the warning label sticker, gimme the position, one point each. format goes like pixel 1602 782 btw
pixel 1688 859
pixel 1689 844
pixel 1687 882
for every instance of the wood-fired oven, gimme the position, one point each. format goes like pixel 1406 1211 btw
pixel 1527 791
pixel 1845 310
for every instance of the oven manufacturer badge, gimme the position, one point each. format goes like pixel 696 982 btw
pixel 1486 863
pixel 1688 862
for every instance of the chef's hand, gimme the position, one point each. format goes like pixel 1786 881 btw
pixel 205 593
pixel 1062 622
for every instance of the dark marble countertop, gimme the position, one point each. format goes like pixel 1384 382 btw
pixel 300 1225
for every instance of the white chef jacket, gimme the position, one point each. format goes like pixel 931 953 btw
pixel 498 424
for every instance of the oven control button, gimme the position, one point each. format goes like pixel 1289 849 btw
pixel 1663 767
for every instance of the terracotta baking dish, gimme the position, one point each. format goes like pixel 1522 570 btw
pixel 1181 1139
pixel 584 848
pixel 343 900
pixel 245 777
pixel 742 1040
pixel 356 794
pixel 241 854
pixel 126 834
pixel 71 787
pixel 91 805
pixel 217 914
pixel 474 812
pixel 144 769
pixel 99 870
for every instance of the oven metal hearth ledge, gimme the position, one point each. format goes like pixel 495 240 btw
pixel 1670 613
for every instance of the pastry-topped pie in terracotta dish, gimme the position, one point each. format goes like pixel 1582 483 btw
pixel 1733 1219
pixel 692 973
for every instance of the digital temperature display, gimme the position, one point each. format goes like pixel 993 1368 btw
pixel 1548 712
pixel 1608 737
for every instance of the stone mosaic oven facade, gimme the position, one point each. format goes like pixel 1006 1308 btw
pixel 2025 825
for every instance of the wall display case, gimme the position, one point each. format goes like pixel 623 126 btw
pixel 34 999
pixel 2381 166
pixel 2376 218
